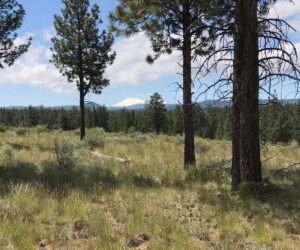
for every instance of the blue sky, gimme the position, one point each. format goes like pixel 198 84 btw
pixel 34 81
pixel 26 91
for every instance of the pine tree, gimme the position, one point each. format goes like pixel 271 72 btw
pixel 171 25
pixel 11 17
pixel 258 47
pixel 178 120
pixel 81 51
pixel 156 109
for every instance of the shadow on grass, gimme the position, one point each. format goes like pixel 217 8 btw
pixel 278 200
pixel 57 179
pixel 86 178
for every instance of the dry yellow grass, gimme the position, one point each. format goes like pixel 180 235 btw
pixel 103 204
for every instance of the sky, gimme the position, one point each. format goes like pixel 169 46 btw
pixel 33 80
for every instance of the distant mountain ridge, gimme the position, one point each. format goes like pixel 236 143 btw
pixel 204 104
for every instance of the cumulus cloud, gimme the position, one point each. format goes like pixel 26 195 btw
pixel 130 66
pixel 286 8
pixel 289 11
pixel 33 68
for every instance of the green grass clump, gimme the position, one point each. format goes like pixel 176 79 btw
pixel 209 172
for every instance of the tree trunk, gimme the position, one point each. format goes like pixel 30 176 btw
pixel 235 111
pixel 235 170
pixel 82 112
pixel 247 84
pixel 189 143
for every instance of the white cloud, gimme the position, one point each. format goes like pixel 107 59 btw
pixel 48 33
pixel 130 66
pixel 289 11
pixel 33 68
pixel 286 8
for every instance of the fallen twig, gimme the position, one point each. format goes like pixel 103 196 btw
pixel 278 171
pixel 108 157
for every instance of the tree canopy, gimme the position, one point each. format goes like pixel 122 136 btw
pixel 182 25
pixel 11 17
pixel 80 50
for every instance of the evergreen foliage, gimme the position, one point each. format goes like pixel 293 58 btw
pixel 278 122
pixel 80 50
pixel 156 109
pixel 11 17
pixel 172 25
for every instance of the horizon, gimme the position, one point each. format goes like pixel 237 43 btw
pixel 127 104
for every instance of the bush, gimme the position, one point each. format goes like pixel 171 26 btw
pixel 7 155
pixel 22 131
pixel 131 130
pixel 84 177
pixel 201 146
pixel 260 191
pixel 64 152
pixel 95 138
pixel 2 129
pixel 209 172
pixel 138 137
pixel 41 129
pixel 76 132
pixel 143 181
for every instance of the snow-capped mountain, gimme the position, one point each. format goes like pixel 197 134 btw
pixel 129 102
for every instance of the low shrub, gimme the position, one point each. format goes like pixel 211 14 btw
pixel 143 181
pixel 41 129
pixel 22 131
pixel 201 146
pixel 138 137
pixel 64 153
pixel 209 172
pixel 260 191
pixel 83 177
pixel 7 155
pixel 76 132
pixel 131 130
pixel 2 129
pixel 95 138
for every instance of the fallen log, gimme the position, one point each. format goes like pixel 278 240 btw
pixel 108 157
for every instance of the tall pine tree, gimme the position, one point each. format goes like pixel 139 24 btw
pixel 171 25
pixel 81 51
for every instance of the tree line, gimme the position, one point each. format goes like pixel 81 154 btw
pixel 278 123
pixel 236 39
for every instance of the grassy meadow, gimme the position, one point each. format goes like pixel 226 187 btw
pixel 59 193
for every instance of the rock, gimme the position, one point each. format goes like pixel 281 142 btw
pixel 43 244
pixel 139 240
pixel 81 230
pixel 203 237
pixel 80 225
pixel 157 182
